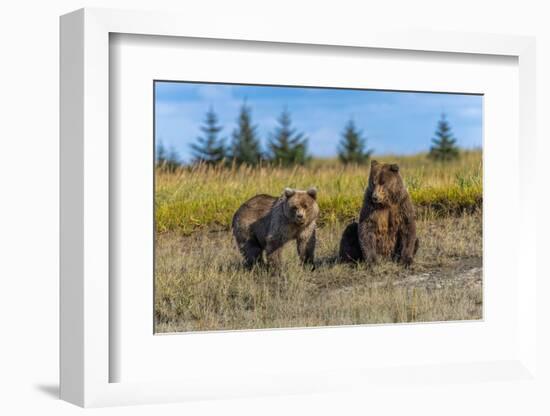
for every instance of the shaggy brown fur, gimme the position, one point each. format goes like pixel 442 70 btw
pixel 267 223
pixel 350 250
pixel 386 224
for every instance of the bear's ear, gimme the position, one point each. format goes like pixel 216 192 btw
pixel 289 192
pixel 394 167
pixel 374 163
pixel 312 192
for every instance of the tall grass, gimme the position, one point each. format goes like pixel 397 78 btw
pixel 201 196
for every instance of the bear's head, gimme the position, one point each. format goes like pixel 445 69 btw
pixel 300 207
pixel 385 184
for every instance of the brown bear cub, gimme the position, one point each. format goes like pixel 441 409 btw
pixel 386 224
pixel 267 223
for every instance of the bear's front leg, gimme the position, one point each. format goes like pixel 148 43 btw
pixel 305 243
pixel 409 244
pixel 273 250
pixel 367 241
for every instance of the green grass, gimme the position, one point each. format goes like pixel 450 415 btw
pixel 202 197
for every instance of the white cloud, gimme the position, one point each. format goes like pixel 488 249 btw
pixel 212 92
pixel 471 112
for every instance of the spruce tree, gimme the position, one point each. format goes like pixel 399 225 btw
pixel 245 146
pixel 353 147
pixel 286 146
pixel 161 154
pixel 209 148
pixel 167 160
pixel 172 161
pixel 444 144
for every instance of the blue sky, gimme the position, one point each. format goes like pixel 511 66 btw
pixel 392 122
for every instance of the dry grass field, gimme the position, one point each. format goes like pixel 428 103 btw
pixel 200 283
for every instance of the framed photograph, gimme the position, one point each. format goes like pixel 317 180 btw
pixel 268 212
pixel 279 228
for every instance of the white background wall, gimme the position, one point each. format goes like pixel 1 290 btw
pixel 29 57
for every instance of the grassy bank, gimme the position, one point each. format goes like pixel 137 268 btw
pixel 197 198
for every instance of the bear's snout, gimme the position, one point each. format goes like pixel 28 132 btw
pixel 299 217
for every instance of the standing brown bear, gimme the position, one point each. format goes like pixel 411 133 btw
pixel 267 223
pixel 386 224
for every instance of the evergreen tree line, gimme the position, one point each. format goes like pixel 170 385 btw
pixel 286 146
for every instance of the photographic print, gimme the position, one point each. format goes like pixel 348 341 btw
pixel 288 206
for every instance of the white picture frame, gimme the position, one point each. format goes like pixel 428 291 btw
pixel 86 356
